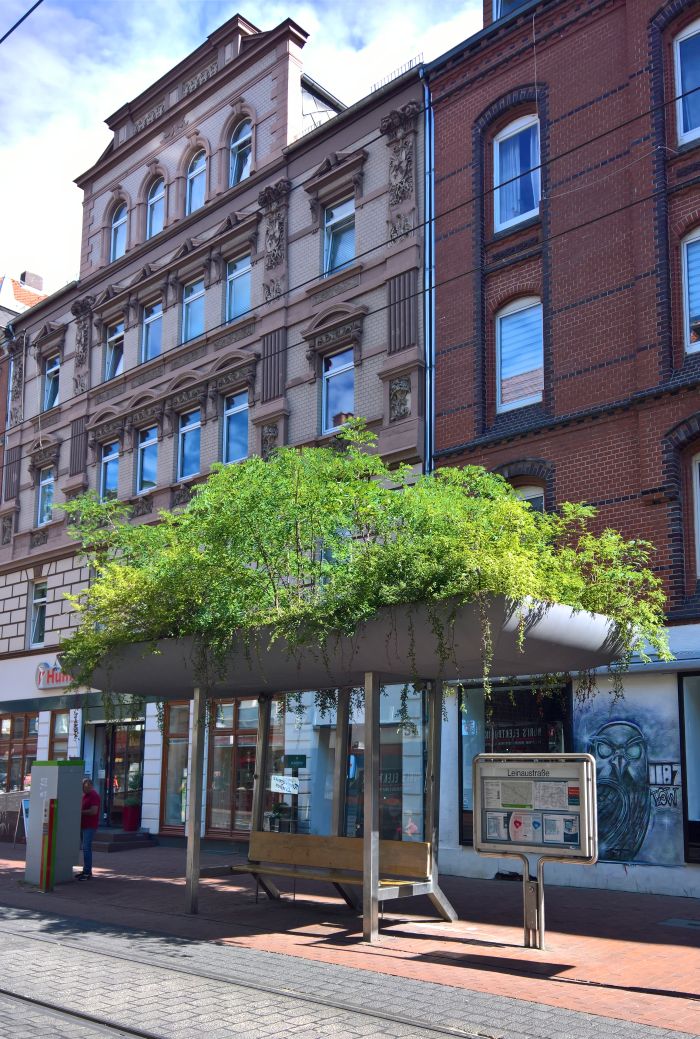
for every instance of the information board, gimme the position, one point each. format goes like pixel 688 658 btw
pixel 542 804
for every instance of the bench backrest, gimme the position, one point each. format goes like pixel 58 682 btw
pixel 396 858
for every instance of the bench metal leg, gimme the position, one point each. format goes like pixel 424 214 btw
pixel 442 904
pixel 348 895
pixel 269 887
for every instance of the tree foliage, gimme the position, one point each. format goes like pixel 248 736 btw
pixel 314 541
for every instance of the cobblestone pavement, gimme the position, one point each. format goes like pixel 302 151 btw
pixel 145 983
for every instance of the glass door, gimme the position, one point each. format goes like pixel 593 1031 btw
pixel 232 741
pixel 118 758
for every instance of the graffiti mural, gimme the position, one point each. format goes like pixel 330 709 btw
pixel 636 745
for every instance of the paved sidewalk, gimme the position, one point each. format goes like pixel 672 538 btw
pixel 624 957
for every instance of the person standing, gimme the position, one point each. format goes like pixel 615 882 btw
pixel 89 821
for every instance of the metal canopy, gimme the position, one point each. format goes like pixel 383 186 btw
pixel 396 644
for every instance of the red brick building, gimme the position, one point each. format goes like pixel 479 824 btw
pixel 567 340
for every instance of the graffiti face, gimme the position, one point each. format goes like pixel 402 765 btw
pixel 624 804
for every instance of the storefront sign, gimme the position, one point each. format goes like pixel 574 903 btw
pixel 284 784
pixel 542 804
pixel 50 676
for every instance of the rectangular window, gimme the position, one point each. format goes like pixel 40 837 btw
pixel 691 281
pixel 147 459
pixel 520 376
pixel 534 496
pixel 512 720
pixel 193 310
pixel 18 738
pixel 151 342
pixel 176 729
pixel 188 446
pixel 109 470
pixel 338 390
pixel 687 48
pixel 238 278
pixel 339 236
pixel 516 173
pixel 52 371
pixel 58 742
pixel 236 427
pixel 37 623
pixel 114 353
pixel 45 504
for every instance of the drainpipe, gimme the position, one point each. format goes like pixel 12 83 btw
pixel 429 277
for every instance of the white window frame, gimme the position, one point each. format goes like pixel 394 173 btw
pixel 527 492
pixel 114 227
pixel 115 333
pixel 146 324
pixel 38 603
pixel 187 302
pixel 105 459
pixel 237 145
pixel 690 135
pixel 516 127
pixel 522 303
pixel 234 273
pixel 194 171
pixel 326 378
pixel 141 446
pixel 694 236
pixel 52 373
pixel 46 481
pixel 330 227
pixel 235 409
pixel 151 201
pixel 185 426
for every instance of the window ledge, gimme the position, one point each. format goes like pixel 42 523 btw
pixel 522 225
pixel 335 282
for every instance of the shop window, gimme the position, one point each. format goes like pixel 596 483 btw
pixel 114 352
pixel 45 501
pixel 147 459
pixel 339 236
pixel 516 161
pixel 152 336
pixel 519 354
pixel 52 373
pixel 690 713
pixel 176 729
pixel 533 495
pixel 238 278
pixel 37 619
pixel 18 735
pixel 58 741
pixel 189 438
pixel 687 61
pixel 155 218
pixel 514 720
pixel 232 743
pixel 338 390
pixel 236 427
pixel 193 310
pixel 109 470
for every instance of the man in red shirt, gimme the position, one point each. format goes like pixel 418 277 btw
pixel 89 821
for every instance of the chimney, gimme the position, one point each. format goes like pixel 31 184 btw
pixel 32 281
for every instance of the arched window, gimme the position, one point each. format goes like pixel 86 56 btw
pixel 687 61
pixel 516 174
pixel 155 217
pixel 196 182
pixel 241 152
pixel 117 241
pixel 519 354
pixel 690 255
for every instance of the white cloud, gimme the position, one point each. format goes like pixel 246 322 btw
pixel 73 62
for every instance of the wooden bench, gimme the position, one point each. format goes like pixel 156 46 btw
pixel 404 866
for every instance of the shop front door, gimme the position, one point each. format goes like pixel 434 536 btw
pixel 231 767
pixel 118 768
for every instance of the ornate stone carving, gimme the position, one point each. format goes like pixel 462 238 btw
pixel 17 388
pixel 190 85
pixel 111 430
pixel 146 413
pixel 82 312
pixel 399 398
pixel 7 530
pixel 273 201
pixel 400 129
pixel 235 335
pixel 187 358
pixel 348 330
pixel 180 495
pixel 400 121
pixel 150 117
pixel 269 437
pixel 44 456
pixel 336 288
pixel 80 383
pixel 173 129
pixel 272 289
pixel 244 375
pixel 400 227
pixel 38 537
pixel 152 373
pixel 142 506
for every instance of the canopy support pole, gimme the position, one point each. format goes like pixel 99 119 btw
pixel 194 814
pixel 370 876
pixel 259 776
pixel 432 812
pixel 340 768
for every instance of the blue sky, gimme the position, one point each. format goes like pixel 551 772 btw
pixel 74 62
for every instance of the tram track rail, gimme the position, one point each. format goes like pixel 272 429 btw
pixel 229 979
pixel 100 1025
